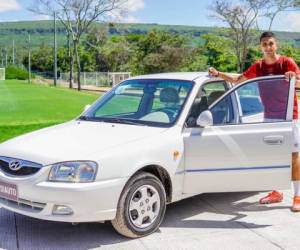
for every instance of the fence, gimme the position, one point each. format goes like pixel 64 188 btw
pixel 2 73
pixel 44 74
pixel 95 79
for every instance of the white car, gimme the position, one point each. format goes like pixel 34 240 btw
pixel 150 141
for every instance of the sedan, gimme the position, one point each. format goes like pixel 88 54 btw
pixel 150 141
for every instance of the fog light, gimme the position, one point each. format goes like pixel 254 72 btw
pixel 62 210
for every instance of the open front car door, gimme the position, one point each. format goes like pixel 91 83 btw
pixel 249 145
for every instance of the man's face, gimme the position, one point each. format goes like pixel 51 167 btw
pixel 268 46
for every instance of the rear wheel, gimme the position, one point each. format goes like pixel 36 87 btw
pixel 141 206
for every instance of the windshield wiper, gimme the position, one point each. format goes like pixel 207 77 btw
pixel 123 121
pixel 110 120
pixel 86 118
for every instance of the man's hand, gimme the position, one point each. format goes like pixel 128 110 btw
pixel 213 72
pixel 226 76
pixel 289 75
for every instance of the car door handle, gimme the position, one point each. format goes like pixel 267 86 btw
pixel 274 139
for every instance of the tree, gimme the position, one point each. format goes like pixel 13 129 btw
pixel 158 52
pixel 117 53
pixel 195 60
pixel 97 38
pixel 41 59
pixel 219 52
pixel 241 18
pixel 254 54
pixel 87 60
pixel 63 60
pixel 291 51
pixel 277 6
pixel 77 16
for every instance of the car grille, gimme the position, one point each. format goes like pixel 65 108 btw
pixel 25 205
pixel 27 167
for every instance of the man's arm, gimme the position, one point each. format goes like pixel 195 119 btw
pixel 227 77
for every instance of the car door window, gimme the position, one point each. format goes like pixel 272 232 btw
pixel 250 99
pixel 208 93
pixel 263 101
pixel 260 101
pixel 223 112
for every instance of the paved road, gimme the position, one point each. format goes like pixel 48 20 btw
pixel 208 221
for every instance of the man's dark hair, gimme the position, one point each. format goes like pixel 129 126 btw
pixel 267 34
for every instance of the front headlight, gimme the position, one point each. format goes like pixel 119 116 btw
pixel 73 171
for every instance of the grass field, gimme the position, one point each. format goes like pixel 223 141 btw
pixel 25 107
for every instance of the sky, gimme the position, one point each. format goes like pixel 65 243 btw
pixel 175 12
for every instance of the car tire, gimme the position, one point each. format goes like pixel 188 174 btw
pixel 141 207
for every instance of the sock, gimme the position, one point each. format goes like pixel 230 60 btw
pixel 296 188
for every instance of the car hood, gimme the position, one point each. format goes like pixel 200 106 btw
pixel 74 140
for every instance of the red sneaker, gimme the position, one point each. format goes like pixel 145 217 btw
pixel 272 197
pixel 296 204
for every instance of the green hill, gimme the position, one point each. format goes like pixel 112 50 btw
pixel 42 32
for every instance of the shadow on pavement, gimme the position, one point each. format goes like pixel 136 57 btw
pixel 29 233
pixel 32 234
pixel 178 214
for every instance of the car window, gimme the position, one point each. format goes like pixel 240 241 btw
pixel 249 96
pixel 208 93
pixel 264 101
pixel 214 90
pixel 152 102
pixel 223 112
pixel 126 100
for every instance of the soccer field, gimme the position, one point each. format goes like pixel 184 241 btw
pixel 26 107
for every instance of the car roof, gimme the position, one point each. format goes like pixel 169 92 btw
pixel 188 76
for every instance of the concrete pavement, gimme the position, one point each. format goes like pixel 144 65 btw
pixel 208 221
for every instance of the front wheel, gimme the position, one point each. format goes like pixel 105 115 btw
pixel 141 207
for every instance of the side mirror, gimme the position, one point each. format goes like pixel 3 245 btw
pixel 205 119
pixel 87 107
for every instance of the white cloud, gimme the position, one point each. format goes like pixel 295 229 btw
pixel 9 5
pixel 292 21
pixel 125 12
pixel 42 17
pixel 287 21
pixel 10 20
pixel 130 19
pixel 134 5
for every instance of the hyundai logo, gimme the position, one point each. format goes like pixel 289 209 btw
pixel 15 165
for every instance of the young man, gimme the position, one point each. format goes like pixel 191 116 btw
pixel 274 64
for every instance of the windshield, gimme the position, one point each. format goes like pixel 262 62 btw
pixel 143 102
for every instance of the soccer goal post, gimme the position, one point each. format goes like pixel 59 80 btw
pixel 2 74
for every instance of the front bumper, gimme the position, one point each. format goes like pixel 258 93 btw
pixel 90 202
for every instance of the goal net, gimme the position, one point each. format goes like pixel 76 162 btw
pixel 2 74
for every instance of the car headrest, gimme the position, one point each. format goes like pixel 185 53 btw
pixel 214 96
pixel 169 95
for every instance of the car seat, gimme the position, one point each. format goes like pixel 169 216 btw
pixel 200 104
pixel 169 95
pixel 214 96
